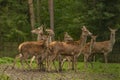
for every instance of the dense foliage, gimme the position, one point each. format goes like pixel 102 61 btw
pixel 14 20
pixel 70 16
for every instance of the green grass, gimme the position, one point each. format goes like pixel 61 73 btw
pixel 4 60
pixel 4 77
pixel 102 69
pixel 98 67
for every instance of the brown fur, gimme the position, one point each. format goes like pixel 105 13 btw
pixel 61 48
pixel 105 47
pixel 29 49
pixel 68 49
pixel 87 49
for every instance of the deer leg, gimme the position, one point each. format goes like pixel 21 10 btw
pixel 69 63
pixel 25 57
pixel 46 63
pixel 105 56
pixel 90 60
pixel 27 63
pixel 32 59
pixel 60 63
pixel 51 60
pixel 17 57
pixel 73 63
pixel 85 61
pixel 94 58
pixel 63 61
pixel 40 63
pixel 55 65
pixel 49 63
pixel 21 61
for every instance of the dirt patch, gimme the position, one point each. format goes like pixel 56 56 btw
pixel 20 74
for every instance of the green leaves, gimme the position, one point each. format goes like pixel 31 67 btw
pixel 70 16
pixel 14 20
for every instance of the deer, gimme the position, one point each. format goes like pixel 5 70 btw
pixel 105 47
pixel 87 49
pixel 29 49
pixel 58 49
pixel 67 38
pixel 24 47
pixel 40 36
pixel 40 33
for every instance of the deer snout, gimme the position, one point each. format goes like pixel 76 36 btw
pixel 90 34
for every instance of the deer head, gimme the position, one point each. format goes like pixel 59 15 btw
pixel 93 37
pixel 38 30
pixel 67 37
pixel 112 36
pixel 50 32
pixel 93 40
pixel 85 31
pixel 112 30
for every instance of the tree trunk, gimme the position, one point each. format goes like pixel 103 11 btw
pixel 50 4
pixel 31 11
pixel 38 11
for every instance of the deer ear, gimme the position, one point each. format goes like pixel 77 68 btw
pixel 95 35
pixel 109 28
pixel 84 27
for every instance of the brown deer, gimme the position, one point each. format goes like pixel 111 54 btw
pixel 51 35
pixel 41 36
pixel 30 49
pixel 56 49
pixel 105 47
pixel 40 33
pixel 87 49
pixel 67 38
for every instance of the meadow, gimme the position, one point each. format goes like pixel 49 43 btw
pixel 100 71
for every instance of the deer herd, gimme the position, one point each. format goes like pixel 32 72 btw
pixel 46 52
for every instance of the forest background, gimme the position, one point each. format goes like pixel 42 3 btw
pixel 69 16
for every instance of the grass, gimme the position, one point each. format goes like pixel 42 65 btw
pixel 110 71
pixel 4 77
pixel 98 67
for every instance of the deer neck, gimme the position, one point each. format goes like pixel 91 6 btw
pixel 82 43
pixel 49 39
pixel 112 39
pixel 39 37
pixel 83 40
pixel 91 45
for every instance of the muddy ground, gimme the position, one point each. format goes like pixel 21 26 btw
pixel 20 74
